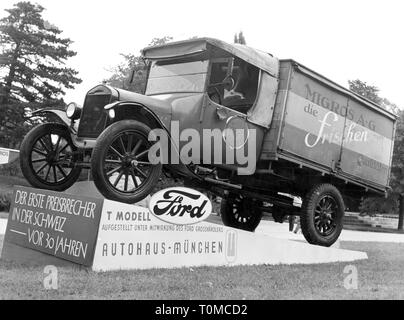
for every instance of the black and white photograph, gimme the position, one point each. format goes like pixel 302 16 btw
pixel 215 152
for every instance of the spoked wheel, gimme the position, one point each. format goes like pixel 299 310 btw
pixel 325 215
pixel 120 164
pixel 240 212
pixel 47 158
pixel 322 215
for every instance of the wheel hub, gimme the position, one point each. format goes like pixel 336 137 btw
pixel 51 157
pixel 325 217
pixel 127 161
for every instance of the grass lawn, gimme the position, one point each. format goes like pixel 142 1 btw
pixel 380 277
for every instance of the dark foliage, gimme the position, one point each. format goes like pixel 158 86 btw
pixel 33 71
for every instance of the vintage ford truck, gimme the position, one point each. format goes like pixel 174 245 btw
pixel 238 122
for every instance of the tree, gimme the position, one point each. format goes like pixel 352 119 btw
pixel 122 74
pixel 363 89
pixel 372 93
pixel 131 73
pixel 240 38
pixel 397 168
pixel 159 41
pixel 33 70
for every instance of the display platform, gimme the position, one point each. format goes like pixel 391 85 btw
pixel 69 228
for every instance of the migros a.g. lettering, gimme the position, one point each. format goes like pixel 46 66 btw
pixel 344 111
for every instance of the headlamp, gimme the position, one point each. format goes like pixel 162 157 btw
pixel 73 111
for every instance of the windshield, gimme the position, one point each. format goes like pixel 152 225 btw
pixel 170 77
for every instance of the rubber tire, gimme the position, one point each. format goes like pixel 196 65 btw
pixel 307 216
pixel 229 220
pixel 25 156
pixel 97 159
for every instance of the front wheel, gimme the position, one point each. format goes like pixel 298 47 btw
pixel 120 164
pixel 240 212
pixel 47 157
pixel 322 215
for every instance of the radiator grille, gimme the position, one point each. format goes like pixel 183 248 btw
pixel 93 118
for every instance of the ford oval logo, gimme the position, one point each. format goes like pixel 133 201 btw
pixel 180 206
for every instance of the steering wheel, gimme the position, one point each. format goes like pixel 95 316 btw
pixel 229 82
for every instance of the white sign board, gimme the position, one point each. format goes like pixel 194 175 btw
pixel 130 237
pixel 4 156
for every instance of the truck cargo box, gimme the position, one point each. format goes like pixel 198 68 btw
pixel 319 124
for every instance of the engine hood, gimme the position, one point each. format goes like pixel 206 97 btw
pixel 162 104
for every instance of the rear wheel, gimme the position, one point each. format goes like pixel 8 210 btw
pixel 120 164
pixel 322 215
pixel 47 157
pixel 240 212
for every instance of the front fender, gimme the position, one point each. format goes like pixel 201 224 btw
pixel 147 113
pixel 132 110
pixel 60 114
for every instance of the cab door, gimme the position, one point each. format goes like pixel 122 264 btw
pixel 232 131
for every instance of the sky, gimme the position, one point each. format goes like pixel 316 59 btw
pixel 342 40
